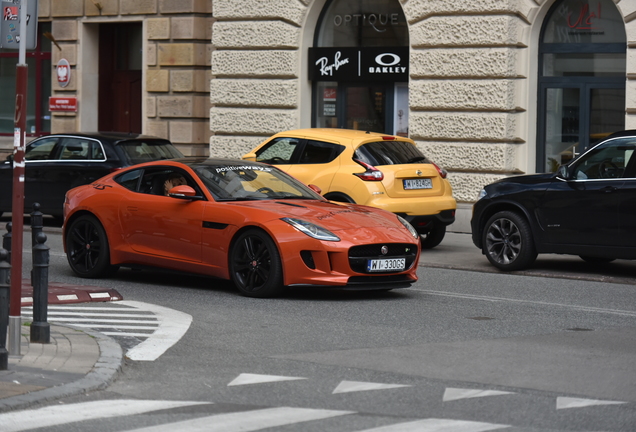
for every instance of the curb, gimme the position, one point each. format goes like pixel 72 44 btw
pixel 101 376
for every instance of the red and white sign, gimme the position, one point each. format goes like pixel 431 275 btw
pixel 63 72
pixel 68 104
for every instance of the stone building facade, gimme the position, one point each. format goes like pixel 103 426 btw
pixel 174 56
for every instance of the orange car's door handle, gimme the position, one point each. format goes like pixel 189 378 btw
pixel 131 208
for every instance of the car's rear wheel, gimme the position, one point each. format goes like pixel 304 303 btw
pixel 87 248
pixel 507 241
pixel 255 265
pixel 596 260
pixel 339 197
pixel 434 237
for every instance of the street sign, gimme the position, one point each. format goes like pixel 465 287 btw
pixel 10 24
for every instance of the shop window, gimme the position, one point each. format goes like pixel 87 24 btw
pixel 38 121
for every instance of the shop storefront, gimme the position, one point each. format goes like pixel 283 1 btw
pixel 359 67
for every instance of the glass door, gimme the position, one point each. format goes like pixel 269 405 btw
pixel 576 118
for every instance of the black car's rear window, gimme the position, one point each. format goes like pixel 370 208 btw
pixel 139 151
pixel 389 153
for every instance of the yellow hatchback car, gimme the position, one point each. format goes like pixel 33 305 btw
pixel 384 171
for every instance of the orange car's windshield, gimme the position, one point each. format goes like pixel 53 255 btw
pixel 251 182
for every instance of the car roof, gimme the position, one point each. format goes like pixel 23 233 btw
pixel 108 136
pixel 334 133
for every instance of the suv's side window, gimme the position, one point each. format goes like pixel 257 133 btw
pixel 607 161
pixel 81 149
pixel 40 149
pixel 279 151
pixel 317 152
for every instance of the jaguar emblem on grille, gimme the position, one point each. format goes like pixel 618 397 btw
pixel 384 250
pixel 418 172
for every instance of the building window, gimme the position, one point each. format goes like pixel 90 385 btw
pixel 38 120
pixel 582 65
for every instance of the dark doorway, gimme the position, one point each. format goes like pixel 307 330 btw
pixel 120 77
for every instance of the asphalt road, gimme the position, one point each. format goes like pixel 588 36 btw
pixel 462 349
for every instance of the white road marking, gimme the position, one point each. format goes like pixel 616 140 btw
pixel 451 394
pixel 246 421
pixel 530 302
pixel 568 402
pixel 65 414
pixel 169 325
pixel 355 386
pixel 172 326
pixel 247 378
pixel 438 425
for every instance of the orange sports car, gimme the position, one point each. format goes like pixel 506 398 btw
pixel 244 221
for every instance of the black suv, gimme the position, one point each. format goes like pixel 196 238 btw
pixel 586 208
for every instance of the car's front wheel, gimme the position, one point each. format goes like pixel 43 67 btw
pixel 255 265
pixel 87 248
pixel 507 241
pixel 434 237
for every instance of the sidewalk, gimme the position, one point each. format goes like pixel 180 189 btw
pixel 76 361
pixel 80 360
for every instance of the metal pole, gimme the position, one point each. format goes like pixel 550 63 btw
pixel 17 208
pixel 40 329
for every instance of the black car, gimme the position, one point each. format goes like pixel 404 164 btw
pixel 587 208
pixel 59 162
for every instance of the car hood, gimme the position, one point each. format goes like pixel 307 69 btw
pixel 329 215
pixel 528 179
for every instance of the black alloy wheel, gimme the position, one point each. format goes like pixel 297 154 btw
pixel 434 236
pixel 255 265
pixel 87 248
pixel 507 241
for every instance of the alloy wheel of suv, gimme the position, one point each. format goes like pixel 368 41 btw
pixel 508 242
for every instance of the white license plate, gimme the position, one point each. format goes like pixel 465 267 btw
pixel 386 264
pixel 418 184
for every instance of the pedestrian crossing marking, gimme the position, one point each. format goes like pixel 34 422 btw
pixel 569 402
pixel 246 421
pixel 247 378
pixel 56 415
pixel 355 386
pixel 439 425
pixel 451 394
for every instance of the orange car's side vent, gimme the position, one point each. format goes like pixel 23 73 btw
pixel 214 225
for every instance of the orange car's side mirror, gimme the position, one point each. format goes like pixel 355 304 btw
pixel 315 188
pixel 183 192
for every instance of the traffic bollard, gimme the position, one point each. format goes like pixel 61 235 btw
pixel 5 272
pixel 37 225
pixel 6 240
pixel 40 329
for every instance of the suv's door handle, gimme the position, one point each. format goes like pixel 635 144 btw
pixel 608 189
